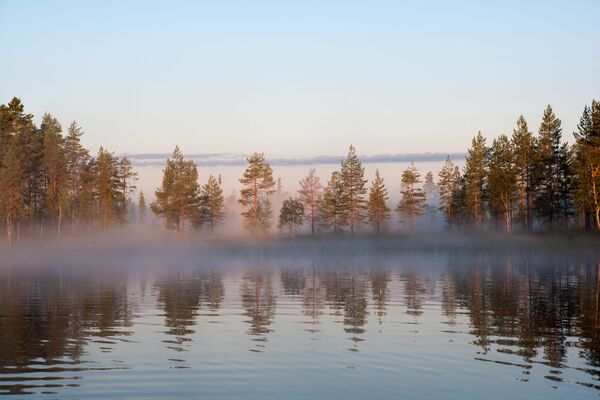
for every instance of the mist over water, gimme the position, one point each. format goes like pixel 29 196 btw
pixel 338 317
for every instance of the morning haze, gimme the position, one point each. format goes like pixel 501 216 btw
pixel 299 200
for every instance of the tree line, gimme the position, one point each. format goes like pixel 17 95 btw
pixel 524 182
pixel 49 182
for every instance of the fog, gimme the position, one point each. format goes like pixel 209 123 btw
pixel 124 248
pixel 150 176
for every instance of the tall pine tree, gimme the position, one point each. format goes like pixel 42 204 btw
pixel 177 199
pixel 333 206
pixel 212 203
pixel 475 179
pixel 353 181
pixel 379 212
pixel 524 144
pixel 502 181
pixel 255 195
pixel 413 200
pixel 309 194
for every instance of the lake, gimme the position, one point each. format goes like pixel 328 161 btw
pixel 450 325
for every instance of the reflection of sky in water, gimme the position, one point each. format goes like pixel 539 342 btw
pixel 487 330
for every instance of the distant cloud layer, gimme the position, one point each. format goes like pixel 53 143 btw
pixel 214 159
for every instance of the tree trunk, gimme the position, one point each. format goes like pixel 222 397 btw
pixel 59 221
pixel 595 173
pixel 8 229
pixel 254 222
pixel 182 219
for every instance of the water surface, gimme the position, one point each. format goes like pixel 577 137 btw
pixel 498 327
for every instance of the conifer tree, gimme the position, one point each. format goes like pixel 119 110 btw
pixel 475 179
pixel 76 160
pixel 258 187
pixel 524 145
pixel 212 203
pixel 106 186
pixel 379 212
pixel 310 196
pixel 586 165
pixel 353 182
pixel 177 199
pixel 502 180
pixel 548 171
pixel 459 215
pixel 53 167
pixel 413 201
pixel 333 206
pixel 127 177
pixel 12 185
pixel 142 208
pixel 447 180
pixel 291 215
pixel 15 123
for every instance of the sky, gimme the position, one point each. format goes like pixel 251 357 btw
pixel 299 78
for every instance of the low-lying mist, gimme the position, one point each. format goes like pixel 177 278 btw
pixel 163 249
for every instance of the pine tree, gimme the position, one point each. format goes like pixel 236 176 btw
pixel 127 177
pixel 76 159
pixel 106 186
pixel 178 196
pixel 586 164
pixel 333 206
pixel 353 182
pixel 142 208
pixel 413 201
pixel 475 178
pixel 54 170
pixel 291 215
pixel 524 145
pixel 459 215
pixel 502 180
pixel 212 203
pixel 310 196
pixel 447 180
pixel 258 187
pixel 15 123
pixel 12 185
pixel 548 171
pixel 379 212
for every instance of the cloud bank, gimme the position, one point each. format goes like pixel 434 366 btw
pixel 234 159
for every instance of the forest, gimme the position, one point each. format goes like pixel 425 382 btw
pixel 51 186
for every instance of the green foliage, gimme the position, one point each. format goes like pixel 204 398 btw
pixel 379 212
pixel 177 199
pixel 524 147
pixel 413 201
pixel 291 215
pixel 549 169
pixel 142 208
pixel 255 195
pixel 310 194
pixel 333 206
pixel 12 185
pixel 502 181
pixel 475 178
pixel 354 189
pixel 586 166
pixel 211 203
pixel 448 176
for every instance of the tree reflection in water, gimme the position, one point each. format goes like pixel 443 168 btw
pixel 258 301
pixel 538 315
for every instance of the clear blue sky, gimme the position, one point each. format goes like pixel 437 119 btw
pixel 299 78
